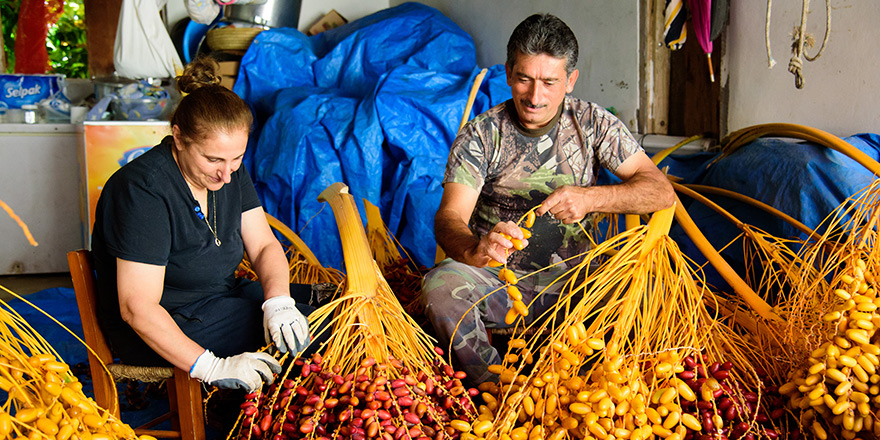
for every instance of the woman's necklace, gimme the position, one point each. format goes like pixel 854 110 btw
pixel 202 216
pixel 213 210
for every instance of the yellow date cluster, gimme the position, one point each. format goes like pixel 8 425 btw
pixel 840 384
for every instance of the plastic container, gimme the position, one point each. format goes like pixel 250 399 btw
pixel 31 114
pixel 55 112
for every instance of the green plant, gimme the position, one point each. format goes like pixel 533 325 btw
pixel 9 14
pixel 67 42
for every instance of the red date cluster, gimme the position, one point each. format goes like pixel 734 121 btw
pixel 405 281
pixel 378 401
pixel 724 410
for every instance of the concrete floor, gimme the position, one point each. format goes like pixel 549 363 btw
pixel 27 284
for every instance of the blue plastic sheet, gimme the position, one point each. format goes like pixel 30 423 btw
pixel 60 304
pixel 804 180
pixel 374 104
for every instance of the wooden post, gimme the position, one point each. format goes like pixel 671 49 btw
pixel 654 73
pixel 101 17
pixel 190 412
pixel 694 101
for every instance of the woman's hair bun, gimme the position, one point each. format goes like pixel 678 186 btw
pixel 199 73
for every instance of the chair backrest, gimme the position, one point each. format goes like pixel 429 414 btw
pixel 82 273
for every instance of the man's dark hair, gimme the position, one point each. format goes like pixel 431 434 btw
pixel 543 34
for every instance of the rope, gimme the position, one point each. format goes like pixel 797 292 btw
pixel 827 32
pixel 800 37
pixel 770 61
pixel 143 374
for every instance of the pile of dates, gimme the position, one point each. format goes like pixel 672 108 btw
pixel 377 400
pixel 724 410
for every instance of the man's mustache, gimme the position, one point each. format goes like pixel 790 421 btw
pixel 529 104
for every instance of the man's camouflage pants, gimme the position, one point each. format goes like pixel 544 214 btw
pixel 450 292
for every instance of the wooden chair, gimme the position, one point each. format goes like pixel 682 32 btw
pixel 184 393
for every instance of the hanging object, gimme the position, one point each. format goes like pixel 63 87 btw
pixel 801 39
pixel 701 15
pixel 674 30
pixel 720 13
pixel 202 11
pixel 770 61
pixel 143 48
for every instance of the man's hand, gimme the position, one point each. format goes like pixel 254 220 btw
pixel 567 204
pixel 493 246
pixel 284 325
pixel 246 370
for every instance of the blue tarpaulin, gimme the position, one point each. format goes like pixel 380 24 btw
pixel 374 104
pixel 802 179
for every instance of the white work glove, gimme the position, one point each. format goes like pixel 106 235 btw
pixel 284 324
pixel 246 370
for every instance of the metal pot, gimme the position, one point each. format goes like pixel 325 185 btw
pixel 106 85
pixel 271 13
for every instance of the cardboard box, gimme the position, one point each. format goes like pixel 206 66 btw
pixel 329 21
pixel 227 81
pixel 229 68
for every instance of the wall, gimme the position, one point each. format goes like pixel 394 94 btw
pixel 839 94
pixel 607 32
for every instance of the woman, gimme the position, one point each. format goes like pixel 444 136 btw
pixel 170 229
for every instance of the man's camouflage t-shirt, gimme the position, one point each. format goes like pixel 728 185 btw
pixel 515 169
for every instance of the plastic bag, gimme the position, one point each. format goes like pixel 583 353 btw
pixel 202 11
pixel 143 48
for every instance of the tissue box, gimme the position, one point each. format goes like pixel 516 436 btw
pixel 18 90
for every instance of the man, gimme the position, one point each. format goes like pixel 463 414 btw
pixel 541 147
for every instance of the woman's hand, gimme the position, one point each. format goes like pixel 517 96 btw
pixel 284 325
pixel 247 370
